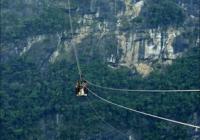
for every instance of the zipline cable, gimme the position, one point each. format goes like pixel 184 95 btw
pixel 143 113
pixel 121 106
pixel 73 45
pixel 78 64
pixel 140 90
pixel 102 119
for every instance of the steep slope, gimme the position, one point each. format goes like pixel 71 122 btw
pixel 139 33
pixel 136 44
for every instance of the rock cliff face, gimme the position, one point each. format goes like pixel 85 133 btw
pixel 111 31
pixel 147 46
pixel 135 48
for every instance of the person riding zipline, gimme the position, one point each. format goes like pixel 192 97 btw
pixel 81 88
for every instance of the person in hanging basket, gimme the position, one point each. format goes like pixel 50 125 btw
pixel 81 88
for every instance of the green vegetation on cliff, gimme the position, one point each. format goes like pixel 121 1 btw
pixel 161 13
pixel 20 20
pixel 28 96
pixel 38 102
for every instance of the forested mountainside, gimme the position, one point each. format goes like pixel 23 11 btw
pixel 130 44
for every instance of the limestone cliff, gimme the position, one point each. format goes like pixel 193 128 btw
pixel 135 47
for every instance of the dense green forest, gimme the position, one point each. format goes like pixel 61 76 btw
pixel 37 98
pixel 39 19
pixel 27 95
pixel 166 12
